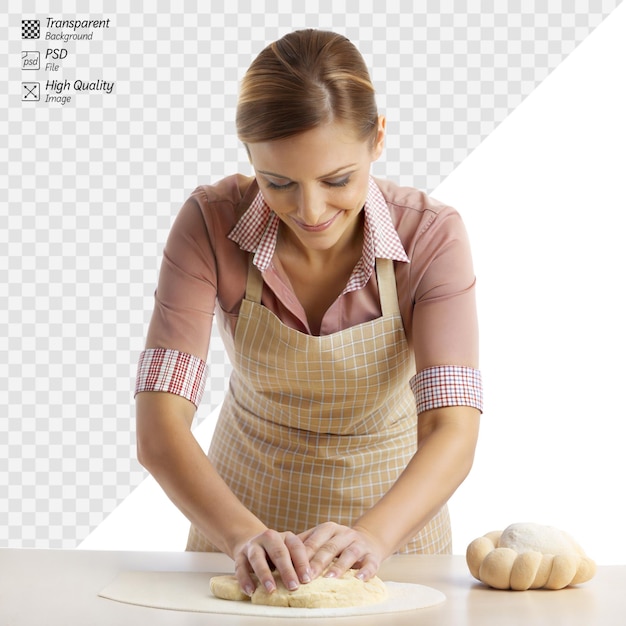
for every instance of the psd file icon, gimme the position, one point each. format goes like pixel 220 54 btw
pixel 31 60
pixel 30 92
pixel 30 29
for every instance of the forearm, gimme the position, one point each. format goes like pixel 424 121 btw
pixel 445 456
pixel 170 452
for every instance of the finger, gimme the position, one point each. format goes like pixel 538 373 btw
pixel 242 572
pixel 355 556
pixel 257 553
pixel 368 568
pixel 315 538
pixel 299 557
pixel 344 562
pixel 328 552
pixel 277 550
pixel 304 538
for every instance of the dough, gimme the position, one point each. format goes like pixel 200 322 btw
pixel 528 556
pixel 318 594
pixel 530 537
pixel 227 588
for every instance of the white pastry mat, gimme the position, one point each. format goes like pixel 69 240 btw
pixel 189 591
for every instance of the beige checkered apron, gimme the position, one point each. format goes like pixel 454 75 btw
pixel 317 429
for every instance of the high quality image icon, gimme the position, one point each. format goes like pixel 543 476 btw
pixel 30 92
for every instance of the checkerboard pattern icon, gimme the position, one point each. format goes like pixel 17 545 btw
pixel 30 29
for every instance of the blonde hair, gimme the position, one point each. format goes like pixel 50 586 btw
pixel 306 79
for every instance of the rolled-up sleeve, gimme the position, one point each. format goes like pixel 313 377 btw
pixel 171 371
pixel 177 343
pixel 447 385
pixel 444 321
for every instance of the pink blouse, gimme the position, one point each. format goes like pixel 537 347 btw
pixel 204 272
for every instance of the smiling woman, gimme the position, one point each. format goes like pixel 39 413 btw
pixel 346 305
pixel 308 195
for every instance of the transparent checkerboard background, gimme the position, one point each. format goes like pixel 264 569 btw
pixel 88 192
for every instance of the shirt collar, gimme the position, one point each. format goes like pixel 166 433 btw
pixel 257 229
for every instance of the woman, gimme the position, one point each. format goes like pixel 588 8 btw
pixel 346 305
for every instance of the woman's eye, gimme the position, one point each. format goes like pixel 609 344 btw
pixel 272 185
pixel 339 183
pixel 329 183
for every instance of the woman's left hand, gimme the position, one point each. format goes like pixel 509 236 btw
pixel 351 547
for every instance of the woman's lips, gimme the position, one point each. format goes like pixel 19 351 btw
pixel 316 228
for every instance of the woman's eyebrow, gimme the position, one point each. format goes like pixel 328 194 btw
pixel 328 175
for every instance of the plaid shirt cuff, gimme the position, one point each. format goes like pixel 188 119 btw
pixel 447 385
pixel 172 371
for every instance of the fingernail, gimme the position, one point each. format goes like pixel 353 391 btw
pixel 306 578
pixel 249 590
pixel 293 585
pixel 330 575
pixel 269 585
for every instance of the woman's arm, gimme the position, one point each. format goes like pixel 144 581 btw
pixel 447 439
pixel 167 448
pixel 445 456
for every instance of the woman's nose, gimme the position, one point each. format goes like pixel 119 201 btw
pixel 311 207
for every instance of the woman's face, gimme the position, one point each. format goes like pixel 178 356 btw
pixel 316 182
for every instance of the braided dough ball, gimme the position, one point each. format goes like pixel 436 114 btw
pixel 528 556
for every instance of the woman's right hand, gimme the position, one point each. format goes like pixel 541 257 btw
pixel 168 449
pixel 283 551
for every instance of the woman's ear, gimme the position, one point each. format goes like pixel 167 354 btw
pixel 379 142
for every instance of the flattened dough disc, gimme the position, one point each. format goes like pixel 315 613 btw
pixel 190 591
pixel 320 593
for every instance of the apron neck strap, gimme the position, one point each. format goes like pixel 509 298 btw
pixel 387 290
pixel 254 284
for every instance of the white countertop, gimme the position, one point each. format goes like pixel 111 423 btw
pixel 60 587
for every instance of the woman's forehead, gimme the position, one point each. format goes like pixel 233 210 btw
pixel 321 151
